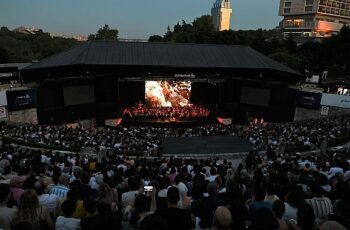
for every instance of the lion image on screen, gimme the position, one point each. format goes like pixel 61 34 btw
pixel 167 94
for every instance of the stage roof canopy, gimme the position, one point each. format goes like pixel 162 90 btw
pixel 117 55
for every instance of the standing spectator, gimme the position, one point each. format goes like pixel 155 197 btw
pixel 50 201
pixel 222 219
pixel 207 205
pixel 258 201
pixel 128 198
pixel 83 189
pixel 16 187
pixel 67 221
pixel 176 218
pixel 305 218
pixel 31 212
pixel 321 205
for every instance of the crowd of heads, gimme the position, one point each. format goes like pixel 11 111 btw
pixel 263 136
pixel 47 190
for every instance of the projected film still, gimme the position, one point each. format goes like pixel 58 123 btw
pixel 167 93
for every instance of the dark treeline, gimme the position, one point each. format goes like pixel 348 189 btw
pixel 333 54
pixel 20 47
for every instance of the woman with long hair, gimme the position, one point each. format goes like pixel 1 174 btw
pixel 109 196
pixel 31 212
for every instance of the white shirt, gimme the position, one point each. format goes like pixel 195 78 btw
pixel 128 198
pixel 290 213
pixel 67 223
pixel 334 170
pixel 50 201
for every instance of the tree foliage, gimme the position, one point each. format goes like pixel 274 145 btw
pixel 105 33
pixel 19 47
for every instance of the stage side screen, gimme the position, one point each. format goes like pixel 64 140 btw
pixel 78 95
pixel 255 96
pixel 167 93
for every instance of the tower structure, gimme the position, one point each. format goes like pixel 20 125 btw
pixel 221 13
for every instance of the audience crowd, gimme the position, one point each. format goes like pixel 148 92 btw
pixel 263 136
pixel 42 189
pixel 46 190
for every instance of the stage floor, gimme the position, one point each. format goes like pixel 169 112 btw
pixel 205 145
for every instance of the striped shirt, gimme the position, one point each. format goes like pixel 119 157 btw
pixel 59 190
pixel 322 207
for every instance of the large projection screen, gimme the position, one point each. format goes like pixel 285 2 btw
pixel 78 95
pixel 255 96
pixel 167 93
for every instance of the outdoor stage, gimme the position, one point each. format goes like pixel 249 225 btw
pixel 206 146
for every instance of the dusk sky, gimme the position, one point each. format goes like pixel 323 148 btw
pixel 133 18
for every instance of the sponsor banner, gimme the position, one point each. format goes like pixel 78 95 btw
pixel 225 121
pixel 3 113
pixel 21 99
pixel 308 100
pixel 3 98
pixel 335 100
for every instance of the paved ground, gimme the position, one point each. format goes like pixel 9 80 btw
pixel 205 145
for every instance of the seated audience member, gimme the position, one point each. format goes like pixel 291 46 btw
pixel 67 221
pixel 222 219
pixel 61 189
pixel 31 212
pixel 175 218
pixel 7 215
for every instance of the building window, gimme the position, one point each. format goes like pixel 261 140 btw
pixel 309 2
pixel 286 10
pixel 287 4
pixel 308 8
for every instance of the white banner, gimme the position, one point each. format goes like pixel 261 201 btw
pixel 335 100
pixel 3 98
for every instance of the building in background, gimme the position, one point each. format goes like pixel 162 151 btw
pixel 221 13
pixel 314 18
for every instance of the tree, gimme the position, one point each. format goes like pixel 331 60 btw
pixel 4 57
pixel 204 29
pixel 155 38
pixel 105 33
